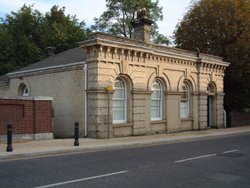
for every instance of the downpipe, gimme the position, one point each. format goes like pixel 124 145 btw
pixel 225 118
pixel 85 99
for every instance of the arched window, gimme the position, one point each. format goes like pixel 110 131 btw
pixel 23 91
pixel 156 101
pixel 119 102
pixel 185 100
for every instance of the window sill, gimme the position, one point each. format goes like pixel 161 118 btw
pixel 186 119
pixel 118 125
pixel 158 121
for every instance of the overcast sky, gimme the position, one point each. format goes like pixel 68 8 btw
pixel 86 10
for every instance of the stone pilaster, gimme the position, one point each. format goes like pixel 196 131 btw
pixel 202 110
pixel 195 111
pixel 173 111
pixel 141 112
pixel 98 123
pixel 219 110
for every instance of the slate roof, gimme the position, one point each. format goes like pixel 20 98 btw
pixel 4 78
pixel 73 55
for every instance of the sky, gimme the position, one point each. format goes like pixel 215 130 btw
pixel 86 10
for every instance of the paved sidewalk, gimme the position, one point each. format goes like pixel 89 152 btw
pixel 24 149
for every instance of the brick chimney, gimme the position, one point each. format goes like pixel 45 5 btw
pixel 142 26
pixel 49 51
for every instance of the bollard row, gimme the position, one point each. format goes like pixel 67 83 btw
pixel 9 136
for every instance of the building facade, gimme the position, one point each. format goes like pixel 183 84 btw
pixel 115 86
pixel 156 89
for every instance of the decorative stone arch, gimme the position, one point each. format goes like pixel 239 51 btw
pixel 194 83
pixel 167 81
pixel 212 88
pixel 126 78
pixel 190 82
pixel 115 72
pixel 153 77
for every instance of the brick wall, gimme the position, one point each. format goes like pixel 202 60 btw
pixel 27 115
pixel 239 119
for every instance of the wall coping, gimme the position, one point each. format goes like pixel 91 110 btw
pixel 44 69
pixel 37 98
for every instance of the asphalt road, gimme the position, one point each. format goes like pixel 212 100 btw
pixel 220 162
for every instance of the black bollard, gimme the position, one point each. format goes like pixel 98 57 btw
pixel 9 138
pixel 76 143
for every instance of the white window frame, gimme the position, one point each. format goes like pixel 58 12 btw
pixel 24 91
pixel 185 102
pixel 124 100
pixel 159 100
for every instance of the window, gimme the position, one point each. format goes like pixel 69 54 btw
pixel 156 101
pixel 23 91
pixel 185 97
pixel 119 102
pixel 211 88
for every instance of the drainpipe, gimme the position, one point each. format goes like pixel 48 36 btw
pixel 198 63
pixel 34 118
pixel 85 100
pixel 225 118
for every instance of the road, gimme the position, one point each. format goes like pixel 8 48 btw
pixel 220 162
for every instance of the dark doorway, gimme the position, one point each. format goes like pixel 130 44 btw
pixel 209 111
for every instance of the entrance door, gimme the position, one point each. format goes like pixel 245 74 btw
pixel 209 111
pixel 211 105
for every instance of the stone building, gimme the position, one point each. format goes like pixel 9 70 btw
pixel 116 86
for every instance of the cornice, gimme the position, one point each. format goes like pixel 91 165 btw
pixel 177 56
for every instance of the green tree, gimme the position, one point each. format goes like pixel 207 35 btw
pixel 222 28
pixel 62 31
pixel 25 34
pixel 18 39
pixel 120 14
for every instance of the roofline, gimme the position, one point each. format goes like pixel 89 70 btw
pixel 45 68
pixel 99 38
pixel 3 83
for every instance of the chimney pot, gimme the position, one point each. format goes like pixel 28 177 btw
pixel 50 51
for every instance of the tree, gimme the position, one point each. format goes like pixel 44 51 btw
pixel 222 28
pixel 25 34
pixel 61 31
pixel 18 37
pixel 120 14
